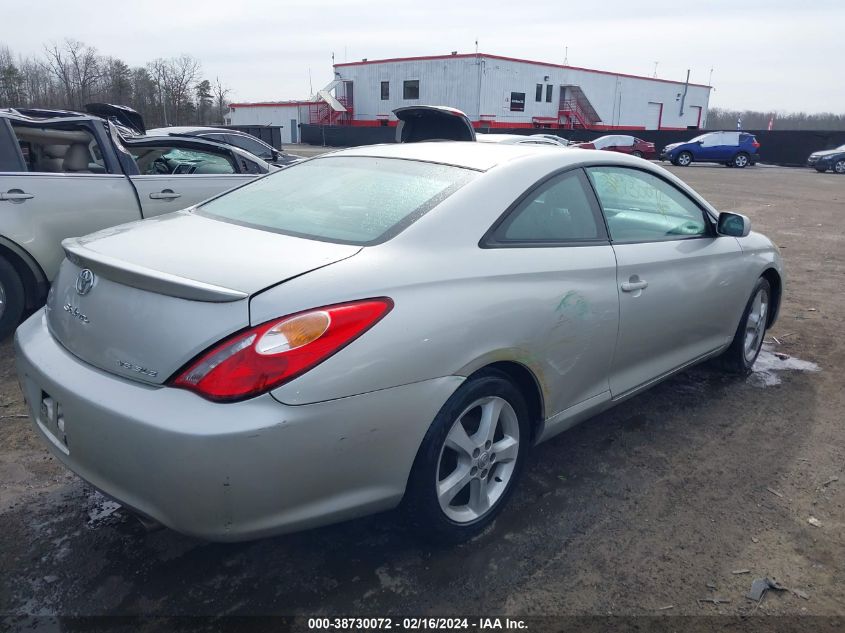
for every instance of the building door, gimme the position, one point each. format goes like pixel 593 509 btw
pixel 293 130
pixel 654 116
pixel 696 111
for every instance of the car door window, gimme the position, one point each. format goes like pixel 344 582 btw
pixel 640 207
pixel 558 211
pixel 59 149
pixel 251 145
pixel 160 160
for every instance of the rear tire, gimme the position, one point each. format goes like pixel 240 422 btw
pixel 12 299
pixel 741 160
pixel 740 356
pixel 684 159
pixel 638 154
pixel 466 469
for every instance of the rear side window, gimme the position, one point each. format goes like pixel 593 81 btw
pixel 253 146
pixel 640 207
pixel 559 210
pixel 349 200
pixel 59 149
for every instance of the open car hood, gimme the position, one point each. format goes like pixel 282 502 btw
pixel 123 115
pixel 432 123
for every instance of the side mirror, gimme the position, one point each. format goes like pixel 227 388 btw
pixel 733 224
pixel 700 142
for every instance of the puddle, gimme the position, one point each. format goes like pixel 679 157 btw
pixel 769 363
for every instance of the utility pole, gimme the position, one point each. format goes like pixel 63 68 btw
pixel 655 69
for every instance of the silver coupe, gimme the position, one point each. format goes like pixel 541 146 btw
pixel 382 326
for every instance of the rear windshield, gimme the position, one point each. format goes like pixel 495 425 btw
pixel 349 200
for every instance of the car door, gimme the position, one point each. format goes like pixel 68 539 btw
pixel 678 282
pixel 552 249
pixel 173 176
pixel 61 187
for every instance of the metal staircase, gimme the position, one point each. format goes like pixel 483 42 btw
pixel 575 110
pixel 326 109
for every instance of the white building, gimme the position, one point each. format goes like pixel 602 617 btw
pixel 498 91
pixel 285 114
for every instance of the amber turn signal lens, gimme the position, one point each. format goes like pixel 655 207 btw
pixel 294 332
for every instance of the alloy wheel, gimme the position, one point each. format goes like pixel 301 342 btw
pixel 684 159
pixel 478 459
pixel 755 325
pixel 839 167
pixel 741 160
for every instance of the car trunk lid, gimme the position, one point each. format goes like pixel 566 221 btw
pixel 143 299
pixel 432 123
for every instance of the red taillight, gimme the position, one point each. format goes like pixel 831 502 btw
pixel 755 144
pixel 268 355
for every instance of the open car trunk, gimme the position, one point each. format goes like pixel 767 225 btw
pixel 142 299
pixel 432 123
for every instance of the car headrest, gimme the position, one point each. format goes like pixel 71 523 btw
pixel 55 151
pixel 77 158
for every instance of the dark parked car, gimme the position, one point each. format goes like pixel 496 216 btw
pixel 245 141
pixel 622 143
pixel 734 149
pixel 828 159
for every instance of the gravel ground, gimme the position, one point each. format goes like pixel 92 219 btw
pixel 687 492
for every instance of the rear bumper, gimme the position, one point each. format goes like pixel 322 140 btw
pixel 224 471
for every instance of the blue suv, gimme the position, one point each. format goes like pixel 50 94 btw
pixel 734 149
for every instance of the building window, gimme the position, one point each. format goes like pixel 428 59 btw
pixel 549 89
pixel 517 102
pixel 411 89
pixel 538 94
pixel 385 90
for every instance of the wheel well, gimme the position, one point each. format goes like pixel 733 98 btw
pixel 32 289
pixel 527 384
pixel 772 276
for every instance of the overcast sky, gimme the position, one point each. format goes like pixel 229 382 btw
pixel 765 54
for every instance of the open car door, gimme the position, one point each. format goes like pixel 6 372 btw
pixel 432 123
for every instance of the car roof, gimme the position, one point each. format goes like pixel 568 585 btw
pixel 40 115
pixel 468 154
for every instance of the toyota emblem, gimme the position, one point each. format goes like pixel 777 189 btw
pixel 85 281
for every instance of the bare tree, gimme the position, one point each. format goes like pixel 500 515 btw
pixel 77 69
pixel 220 94
pixel 725 119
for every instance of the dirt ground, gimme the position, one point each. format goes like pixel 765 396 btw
pixel 687 492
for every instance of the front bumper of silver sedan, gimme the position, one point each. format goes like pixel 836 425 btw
pixel 224 472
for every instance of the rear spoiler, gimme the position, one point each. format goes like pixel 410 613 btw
pixel 147 278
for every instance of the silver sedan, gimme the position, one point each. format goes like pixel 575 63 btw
pixel 383 326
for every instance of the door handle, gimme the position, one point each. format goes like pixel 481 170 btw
pixel 165 194
pixel 634 285
pixel 16 195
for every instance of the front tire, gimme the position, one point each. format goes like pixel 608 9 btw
pixel 839 166
pixel 748 339
pixel 684 159
pixel 741 160
pixel 469 461
pixel 12 299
